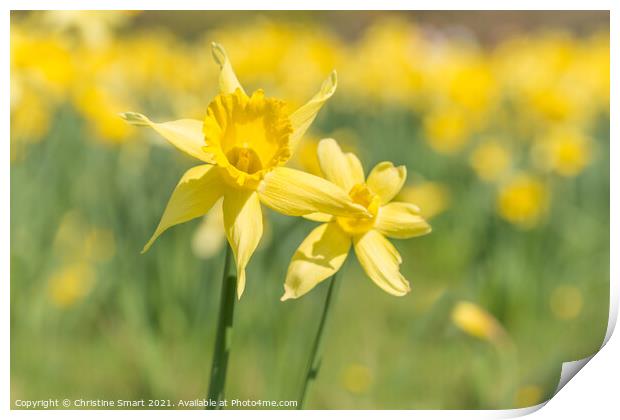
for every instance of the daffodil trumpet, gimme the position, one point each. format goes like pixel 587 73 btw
pixel 244 142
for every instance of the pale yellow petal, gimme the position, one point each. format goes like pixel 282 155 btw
pixel 319 217
pixel 401 220
pixel 381 262
pixel 209 237
pixel 343 169
pixel 305 115
pixel 243 221
pixel 186 135
pixel 318 257
pixel 227 79
pixel 197 191
pixel 296 193
pixel 386 180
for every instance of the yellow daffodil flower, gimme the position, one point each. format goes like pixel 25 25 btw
pixel 325 249
pixel 244 142
pixel 477 322
pixel 490 160
pixel 523 201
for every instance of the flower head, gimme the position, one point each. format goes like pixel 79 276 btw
pixel 325 249
pixel 244 141
pixel 523 201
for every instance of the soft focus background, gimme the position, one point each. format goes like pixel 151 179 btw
pixel 502 119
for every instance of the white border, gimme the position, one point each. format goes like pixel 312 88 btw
pixel 598 383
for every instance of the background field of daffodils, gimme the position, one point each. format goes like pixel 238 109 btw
pixel 503 123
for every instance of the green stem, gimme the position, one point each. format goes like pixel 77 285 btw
pixel 314 364
pixel 223 336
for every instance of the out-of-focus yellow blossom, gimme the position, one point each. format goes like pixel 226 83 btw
pixel 78 241
pixel 326 248
pixel 477 322
pixel 356 378
pixel 283 47
pixel 244 142
pixel 99 108
pixel 30 117
pixel 210 236
pixel 307 158
pixel 523 200
pixel 459 73
pixel 550 77
pixel 99 245
pixel 70 284
pixel 566 302
pixel 447 129
pixel 564 150
pixel 95 27
pixel 490 160
pixel 43 60
pixel 431 197
pixel 528 396
pixel 385 66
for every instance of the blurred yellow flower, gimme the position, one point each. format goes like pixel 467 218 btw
pixel 490 160
pixel 325 249
pixel 99 107
pixel 528 396
pixel 99 245
pixel 210 236
pixel 70 284
pixel 447 129
pixel 477 322
pixel 244 142
pixel 306 157
pixel 95 27
pixel 431 197
pixel 356 378
pixel 385 65
pixel 523 200
pixel 564 150
pixel 566 302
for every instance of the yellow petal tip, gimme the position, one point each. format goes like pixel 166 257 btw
pixel 134 118
pixel 330 84
pixel 219 54
pixel 288 294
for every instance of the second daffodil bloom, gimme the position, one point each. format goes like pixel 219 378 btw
pixel 326 248
pixel 244 141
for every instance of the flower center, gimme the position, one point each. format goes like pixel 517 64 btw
pixel 247 136
pixel 244 159
pixel 362 195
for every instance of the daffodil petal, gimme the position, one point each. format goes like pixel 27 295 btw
pixel 305 115
pixel 197 191
pixel 318 257
pixel 227 79
pixel 319 217
pixel 401 220
pixel 381 262
pixel 386 180
pixel 343 169
pixel 209 237
pixel 296 193
pixel 243 221
pixel 186 135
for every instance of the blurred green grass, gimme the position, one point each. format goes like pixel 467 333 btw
pixel 146 328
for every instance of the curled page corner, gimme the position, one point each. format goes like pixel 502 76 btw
pixel 570 369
